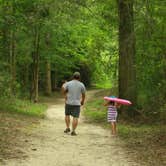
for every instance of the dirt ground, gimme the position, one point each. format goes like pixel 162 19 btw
pixel 48 145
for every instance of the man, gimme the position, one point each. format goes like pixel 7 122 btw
pixel 74 91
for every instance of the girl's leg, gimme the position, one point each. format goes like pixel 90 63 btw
pixel 113 128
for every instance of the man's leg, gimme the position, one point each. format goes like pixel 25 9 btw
pixel 75 114
pixel 67 120
pixel 74 123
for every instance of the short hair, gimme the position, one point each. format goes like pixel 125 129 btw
pixel 76 75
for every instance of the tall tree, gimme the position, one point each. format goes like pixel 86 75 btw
pixel 127 71
pixel 36 64
pixel 48 68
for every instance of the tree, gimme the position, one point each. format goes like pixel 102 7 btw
pixel 127 66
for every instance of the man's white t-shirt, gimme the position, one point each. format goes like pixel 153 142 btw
pixel 74 90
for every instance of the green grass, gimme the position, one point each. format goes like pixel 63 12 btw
pixel 105 85
pixel 24 107
pixel 95 111
pixel 140 131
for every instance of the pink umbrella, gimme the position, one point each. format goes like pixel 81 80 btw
pixel 118 100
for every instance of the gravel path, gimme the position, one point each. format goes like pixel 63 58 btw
pixel 93 146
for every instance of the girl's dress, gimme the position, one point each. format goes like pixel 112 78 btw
pixel 112 114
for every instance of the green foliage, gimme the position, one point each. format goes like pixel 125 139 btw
pixel 5 88
pixel 95 111
pixel 83 36
pixel 73 39
pixel 150 55
pixel 23 107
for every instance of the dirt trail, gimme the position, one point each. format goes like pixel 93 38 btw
pixel 93 146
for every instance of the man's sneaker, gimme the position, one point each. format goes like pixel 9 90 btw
pixel 67 130
pixel 73 133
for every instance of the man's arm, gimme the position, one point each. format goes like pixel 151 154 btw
pixel 64 91
pixel 83 99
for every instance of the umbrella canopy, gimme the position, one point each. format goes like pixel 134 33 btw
pixel 118 100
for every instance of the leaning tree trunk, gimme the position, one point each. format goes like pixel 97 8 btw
pixel 127 66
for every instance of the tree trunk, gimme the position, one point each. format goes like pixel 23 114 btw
pixel 127 66
pixel 36 65
pixel 48 78
pixel 12 61
pixel 53 80
pixel 25 77
pixel 48 67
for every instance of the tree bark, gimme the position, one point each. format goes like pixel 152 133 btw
pixel 48 67
pixel 48 78
pixel 26 77
pixel 36 65
pixel 12 61
pixel 53 80
pixel 127 66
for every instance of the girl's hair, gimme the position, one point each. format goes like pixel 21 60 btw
pixel 112 103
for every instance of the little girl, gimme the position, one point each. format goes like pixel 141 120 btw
pixel 112 115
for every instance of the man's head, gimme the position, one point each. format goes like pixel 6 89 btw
pixel 76 75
